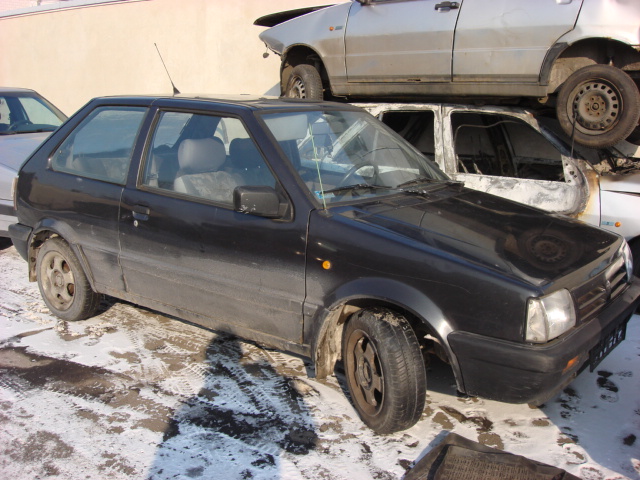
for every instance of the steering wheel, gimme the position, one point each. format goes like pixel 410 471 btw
pixel 348 178
pixel 19 123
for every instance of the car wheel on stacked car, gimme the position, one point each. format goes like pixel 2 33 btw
pixel 598 106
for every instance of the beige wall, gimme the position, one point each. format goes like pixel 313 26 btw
pixel 72 55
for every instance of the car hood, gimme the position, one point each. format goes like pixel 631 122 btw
pixel 492 233
pixel 273 19
pixel 625 183
pixel 15 149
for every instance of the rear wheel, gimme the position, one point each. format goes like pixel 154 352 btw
pixel 304 82
pixel 385 370
pixel 599 105
pixel 62 282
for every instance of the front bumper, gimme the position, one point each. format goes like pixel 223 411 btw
pixel 524 373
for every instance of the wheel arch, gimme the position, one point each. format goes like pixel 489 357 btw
pixel 297 55
pixel 563 59
pixel 46 229
pixel 634 245
pixel 427 320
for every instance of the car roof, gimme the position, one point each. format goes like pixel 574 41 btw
pixel 15 90
pixel 252 102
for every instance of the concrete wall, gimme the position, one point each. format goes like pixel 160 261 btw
pixel 209 46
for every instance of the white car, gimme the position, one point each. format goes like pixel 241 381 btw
pixel 512 153
pixel 582 55
pixel 26 119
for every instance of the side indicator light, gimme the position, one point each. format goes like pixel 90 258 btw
pixel 570 364
pixel 326 265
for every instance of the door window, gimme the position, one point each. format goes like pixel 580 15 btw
pixel 203 156
pixel 101 146
pixel 500 145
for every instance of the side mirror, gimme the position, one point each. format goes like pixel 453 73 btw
pixel 364 2
pixel 260 201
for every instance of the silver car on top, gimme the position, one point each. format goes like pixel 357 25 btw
pixel 581 55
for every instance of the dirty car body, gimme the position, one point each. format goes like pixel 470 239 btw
pixel 315 228
pixel 582 55
pixel 26 119
pixel 524 156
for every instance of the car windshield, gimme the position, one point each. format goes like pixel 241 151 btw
pixel 26 112
pixel 342 155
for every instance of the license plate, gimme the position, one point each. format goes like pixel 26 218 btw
pixel 608 343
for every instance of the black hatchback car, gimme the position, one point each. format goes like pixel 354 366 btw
pixel 312 227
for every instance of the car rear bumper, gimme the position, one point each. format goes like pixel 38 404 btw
pixel 524 373
pixel 20 235
pixel 7 217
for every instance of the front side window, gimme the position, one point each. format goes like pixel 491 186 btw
pixel 203 156
pixel 101 146
pixel 345 155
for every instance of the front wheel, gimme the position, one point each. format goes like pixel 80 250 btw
pixel 599 105
pixel 304 82
pixel 385 370
pixel 63 284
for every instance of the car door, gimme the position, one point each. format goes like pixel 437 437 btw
pixel 503 155
pixel 400 41
pixel 81 189
pixel 507 41
pixel 184 246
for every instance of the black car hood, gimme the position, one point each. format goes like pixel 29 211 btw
pixel 273 19
pixel 491 232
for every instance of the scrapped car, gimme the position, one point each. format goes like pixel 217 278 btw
pixel 582 55
pixel 522 155
pixel 26 119
pixel 314 228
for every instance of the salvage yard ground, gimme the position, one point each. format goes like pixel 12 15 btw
pixel 132 394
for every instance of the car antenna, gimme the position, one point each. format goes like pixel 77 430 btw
pixel 175 90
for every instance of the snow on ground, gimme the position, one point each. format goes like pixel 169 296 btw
pixel 132 394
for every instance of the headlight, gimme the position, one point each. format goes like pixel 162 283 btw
pixel 549 317
pixel 625 253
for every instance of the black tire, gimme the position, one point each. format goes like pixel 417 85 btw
pixel 385 370
pixel 63 283
pixel 605 103
pixel 304 82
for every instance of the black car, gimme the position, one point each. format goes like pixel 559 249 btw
pixel 314 228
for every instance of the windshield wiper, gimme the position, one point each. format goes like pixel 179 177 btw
pixel 357 186
pixel 419 180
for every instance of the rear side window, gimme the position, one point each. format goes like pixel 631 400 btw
pixel 101 146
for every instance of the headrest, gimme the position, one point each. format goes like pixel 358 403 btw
pixel 201 155
pixel 244 153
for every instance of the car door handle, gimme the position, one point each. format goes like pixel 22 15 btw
pixel 446 6
pixel 141 213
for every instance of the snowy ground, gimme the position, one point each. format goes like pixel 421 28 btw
pixel 131 394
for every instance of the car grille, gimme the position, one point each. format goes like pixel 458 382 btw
pixel 594 295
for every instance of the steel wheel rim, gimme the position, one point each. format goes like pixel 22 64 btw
pixel 58 282
pixel 365 373
pixel 596 105
pixel 297 88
